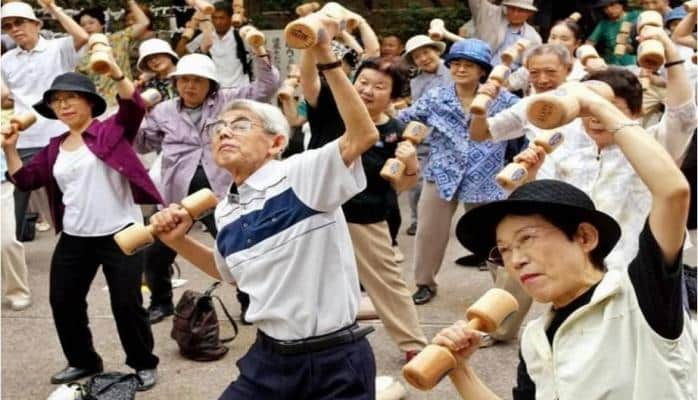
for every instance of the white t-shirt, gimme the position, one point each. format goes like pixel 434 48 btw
pixel 98 200
pixel 285 241
pixel 223 51
pixel 28 74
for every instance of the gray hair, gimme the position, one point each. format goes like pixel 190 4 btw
pixel 555 49
pixel 273 120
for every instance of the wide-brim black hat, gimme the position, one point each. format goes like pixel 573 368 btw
pixel 476 229
pixel 71 82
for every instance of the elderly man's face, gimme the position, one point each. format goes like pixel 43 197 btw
pixel 239 141
pixel 517 16
pixel 546 72
pixel 24 32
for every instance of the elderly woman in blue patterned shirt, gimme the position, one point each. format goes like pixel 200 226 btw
pixel 458 169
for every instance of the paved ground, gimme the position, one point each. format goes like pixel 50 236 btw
pixel 31 352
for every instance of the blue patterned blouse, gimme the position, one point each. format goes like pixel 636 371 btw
pixel 461 168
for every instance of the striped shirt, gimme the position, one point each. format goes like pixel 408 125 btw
pixel 284 240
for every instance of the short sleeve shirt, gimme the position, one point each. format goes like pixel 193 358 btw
pixel 604 37
pixel 223 51
pixel 285 241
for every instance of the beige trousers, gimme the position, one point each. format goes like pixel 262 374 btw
pixel 433 233
pixel 13 263
pixel 382 279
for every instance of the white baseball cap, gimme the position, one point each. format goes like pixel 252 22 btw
pixel 418 41
pixel 196 64
pixel 17 9
pixel 151 47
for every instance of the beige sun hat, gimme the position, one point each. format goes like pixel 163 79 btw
pixel 196 64
pixel 151 47
pixel 418 41
pixel 525 4
pixel 17 9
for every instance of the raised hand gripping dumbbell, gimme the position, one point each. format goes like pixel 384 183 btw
pixel 151 96
pixel 558 107
pixel 138 236
pixel 303 33
pixel 690 6
pixel 590 58
pixel 622 38
pixel 101 60
pixel 438 31
pixel 307 8
pixel 497 76
pixel 515 52
pixel 19 123
pixel 427 369
pixel 393 169
pixel 514 174
pixel 238 18
pixel 252 36
pixel 650 52
pixel 201 5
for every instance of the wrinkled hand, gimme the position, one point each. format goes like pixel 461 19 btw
pixel 407 153
pixel 460 339
pixel 532 158
pixel 171 223
pixel 10 136
pixel 330 29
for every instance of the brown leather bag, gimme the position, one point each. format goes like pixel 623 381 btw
pixel 195 326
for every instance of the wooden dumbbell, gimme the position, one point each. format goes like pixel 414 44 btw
pixel 558 107
pixel 307 8
pixel 238 18
pixel 304 32
pixel 428 367
pixel 201 5
pixel 100 50
pixel 690 6
pixel 515 173
pixel 294 72
pixel 622 38
pixel 22 122
pixel 287 89
pixel 650 52
pixel 252 36
pixel 138 236
pixel 589 57
pixel 393 169
pixel 151 97
pixel 347 19
pixel 498 75
pixel 514 53
pixel 238 6
pixel 575 16
pixel 438 31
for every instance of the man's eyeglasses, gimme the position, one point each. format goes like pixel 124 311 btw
pixel 237 127
pixel 67 98
pixel 18 23
pixel 524 240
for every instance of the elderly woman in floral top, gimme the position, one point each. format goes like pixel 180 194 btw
pixel 92 20
pixel 458 170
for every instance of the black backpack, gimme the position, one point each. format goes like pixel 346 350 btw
pixel 195 326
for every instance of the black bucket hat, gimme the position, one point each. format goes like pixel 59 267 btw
pixel 476 229
pixel 71 82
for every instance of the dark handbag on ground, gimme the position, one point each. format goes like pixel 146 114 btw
pixel 111 386
pixel 195 326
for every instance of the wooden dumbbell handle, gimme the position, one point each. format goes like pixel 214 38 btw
pixel 23 121
pixel 307 8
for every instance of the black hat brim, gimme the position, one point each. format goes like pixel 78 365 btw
pixel 476 230
pixel 99 105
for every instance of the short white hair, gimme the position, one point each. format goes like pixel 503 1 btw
pixel 273 120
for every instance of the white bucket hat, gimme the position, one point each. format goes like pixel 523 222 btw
pixel 196 64
pixel 418 41
pixel 18 9
pixel 525 4
pixel 151 47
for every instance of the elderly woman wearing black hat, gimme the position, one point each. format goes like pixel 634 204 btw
pixel 610 335
pixel 94 182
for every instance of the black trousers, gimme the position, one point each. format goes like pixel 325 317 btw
pixel 73 268
pixel 22 198
pixel 159 257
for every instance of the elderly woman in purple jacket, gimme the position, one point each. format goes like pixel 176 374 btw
pixel 94 182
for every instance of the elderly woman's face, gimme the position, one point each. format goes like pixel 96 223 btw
pixel 426 58
pixel 374 88
pixel 465 72
pixel 550 267
pixel 71 108
pixel 238 140
pixel 192 89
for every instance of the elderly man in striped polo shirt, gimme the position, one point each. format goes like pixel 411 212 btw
pixel 284 240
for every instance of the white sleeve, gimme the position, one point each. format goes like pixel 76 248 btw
pixel 675 129
pixel 321 179
pixel 508 123
pixel 69 56
pixel 193 46
pixel 222 266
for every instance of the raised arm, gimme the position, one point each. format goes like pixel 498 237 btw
pixel 69 24
pixel 679 89
pixel 369 39
pixel 142 20
pixel 669 189
pixel 360 132
pixel 310 80
pixel 683 33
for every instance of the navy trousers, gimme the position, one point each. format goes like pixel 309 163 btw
pixel 345 372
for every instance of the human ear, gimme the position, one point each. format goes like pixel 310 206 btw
pixel 587 236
